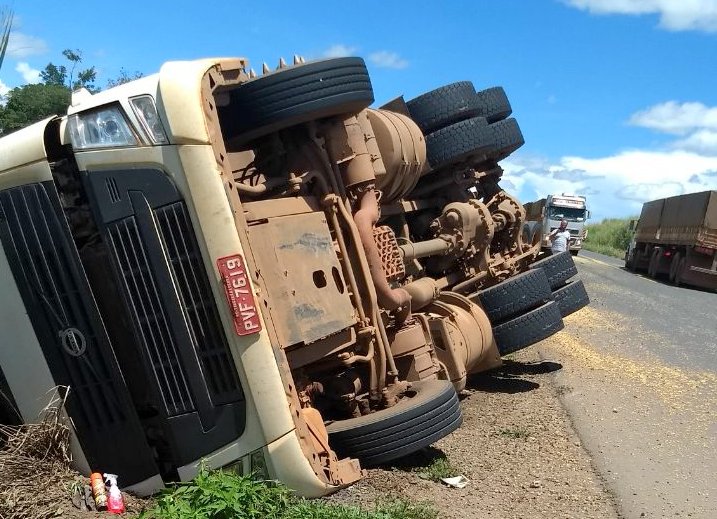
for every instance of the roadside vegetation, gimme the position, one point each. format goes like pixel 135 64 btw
pixel 611 237
pixel 226 495
pixel 438 468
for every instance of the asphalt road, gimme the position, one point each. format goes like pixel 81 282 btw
pixel 639 380
pixel 685 317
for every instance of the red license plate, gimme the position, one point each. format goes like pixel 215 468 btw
pixel 239 295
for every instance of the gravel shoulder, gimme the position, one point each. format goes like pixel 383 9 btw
pixel 516 446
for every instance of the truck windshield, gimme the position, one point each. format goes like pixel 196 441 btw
pixel 568 213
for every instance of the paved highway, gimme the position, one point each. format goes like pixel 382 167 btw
pixel 639 379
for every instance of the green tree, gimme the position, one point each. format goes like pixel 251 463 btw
pixel 31 103
pixel 61 75
pixel 124 77
pixel 54 75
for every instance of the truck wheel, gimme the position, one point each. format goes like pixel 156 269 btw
pixel 444 106
pixel 514 296
pixel 654 264
pixel 461 141
pixel 415 422
pixel 493 104
pixel 571 298
pixel 532 233
pixel 558 268
pixel 507 138
pixel 295 95
pixel 679 262
pixel 630 261
pixel 527 234
pixel 528 328
pixel 575 252
pixel 674 264
pixel 536 234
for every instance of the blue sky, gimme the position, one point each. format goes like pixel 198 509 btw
pixel 617 99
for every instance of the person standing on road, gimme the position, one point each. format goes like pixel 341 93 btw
pixel 559 238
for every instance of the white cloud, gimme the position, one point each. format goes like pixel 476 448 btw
pixel 696 122
pixel 22 45
pixel 339 50
pixel 702 141
pixel 677 118
pixel 616 185
pixel 4 89
pixel 29 74
pixel 387 59
pixel 644 167
pixel 675 15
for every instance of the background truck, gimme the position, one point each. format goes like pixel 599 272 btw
pixel 677 237
pixel 545 214
pixel 263 272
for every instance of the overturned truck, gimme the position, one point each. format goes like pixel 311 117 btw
pixel 263 272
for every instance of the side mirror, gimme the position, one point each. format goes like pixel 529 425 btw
pixel 587 215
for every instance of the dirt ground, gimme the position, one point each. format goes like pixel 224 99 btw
pixel 516 446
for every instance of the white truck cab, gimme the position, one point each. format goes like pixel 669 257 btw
pixel 547 213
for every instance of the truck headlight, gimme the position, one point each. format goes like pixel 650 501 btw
pixel 146 111
pixel 105 127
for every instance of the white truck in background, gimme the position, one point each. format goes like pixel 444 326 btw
pixel 544 215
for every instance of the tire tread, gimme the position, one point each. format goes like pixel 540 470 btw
pixel 558 268
pixel 514 296
pixel 571 297
pixel 444 106
pixel 529 328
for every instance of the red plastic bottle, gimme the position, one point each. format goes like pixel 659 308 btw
pixel 115 503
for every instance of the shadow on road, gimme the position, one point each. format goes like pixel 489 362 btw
pixel 663 279
pixel 507 378
pixel 512 367
pixel 416 460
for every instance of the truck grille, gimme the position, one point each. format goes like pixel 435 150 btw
pixel 47 270
pixel 148 312
pixel 176 330
pixel 197 303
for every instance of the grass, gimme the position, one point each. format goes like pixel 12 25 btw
pixel 611 237
pixel 516 433
pixel 392 510
pixel 227 495
pixel 438 468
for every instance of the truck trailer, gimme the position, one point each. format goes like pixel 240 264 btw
pixel 262 272
pixel 544 215
pixel 677 237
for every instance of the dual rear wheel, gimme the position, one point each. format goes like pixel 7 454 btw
pixel 465 126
